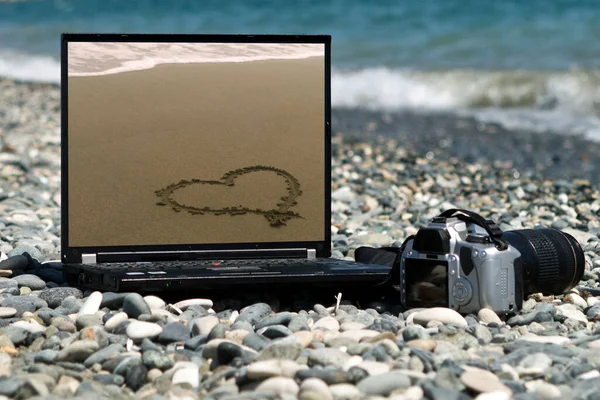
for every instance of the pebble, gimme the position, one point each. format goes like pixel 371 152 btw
pixel 135 305
pixel 7 312
pixel 154 302
pixel 487 316
pixel 114 321
pixel 279 385
pixel 384 384
pixel 327 324
pixel 138 330
pixel 185 304
pixel 91 305
pixel 444 315
pixel 55 296
pixel 480 381
pixel 204 325
pixel 31 281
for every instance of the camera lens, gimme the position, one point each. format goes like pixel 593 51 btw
pixel 552 261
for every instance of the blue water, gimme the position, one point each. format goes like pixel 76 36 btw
pixel 533 64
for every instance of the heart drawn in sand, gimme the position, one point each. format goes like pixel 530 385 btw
pixel 277 216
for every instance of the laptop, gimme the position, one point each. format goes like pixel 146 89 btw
pixel 198 162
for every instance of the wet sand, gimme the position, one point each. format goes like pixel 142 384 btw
pixel 134 133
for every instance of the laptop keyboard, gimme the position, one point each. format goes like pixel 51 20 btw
pixel 215 265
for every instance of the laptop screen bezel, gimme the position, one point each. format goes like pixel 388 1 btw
pixel 72 254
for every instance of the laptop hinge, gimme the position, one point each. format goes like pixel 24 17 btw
pixel 88 259
pixel 311 253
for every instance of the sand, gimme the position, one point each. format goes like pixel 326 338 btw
pixel 134 133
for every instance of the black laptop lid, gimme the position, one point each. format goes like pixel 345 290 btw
pixel 180 143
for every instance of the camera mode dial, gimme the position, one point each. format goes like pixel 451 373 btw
pixel 462 291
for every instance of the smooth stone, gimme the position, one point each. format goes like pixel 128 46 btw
pixel 344 391
pixel 414 332
pixel 155 359
pixel 279 385
pixel 326 324
pixel 444 315
pixel 7 312
pixel 384 384
pixel 31 281
pixel 30 326
pixel 304 337
pixel 282 349
pixel 530 337
pixel 91 305
pixel 14 335
pixel 571 311
pixel 373 367
pixel 423 344
pixel 188 373
pixel 298 323
pixel 87 320
pixel 78 351
pixel 482 381
pixel 316 386
pixel 185 304
pixel 256 341
pixel 55 296
pixel 109 379
pixel 236 335
pixel 110 351
pixel 265 369
pixel 352 326
pixel 135 377
pixel 155 302
pixel 174 332
pixel 534 364
pixel 359 335
pixel 327 356
pixel 543 389
pixel 113 300
pixel 255 313
pixel 112 323
pixel 44 356
pixel 24 303
pixel 203 325
pixel 487 316
pixel 282 318
pixel 66 387
pixel 135 305
pixel 138 330
pixel 575 299
pixel 210 349
pixel 274 331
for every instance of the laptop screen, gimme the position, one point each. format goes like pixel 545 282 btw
pixel 195 143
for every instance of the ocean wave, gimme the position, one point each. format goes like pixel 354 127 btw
pixel 574 91
pixel 30 68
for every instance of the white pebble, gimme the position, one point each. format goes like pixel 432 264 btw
pixel 187 374
pixel 442 314
pixel 203 325
pixel 115 320
pixel 327 324
pixel 154 302
pixel 316 385
pixel 138 330
pixel 185 304
pixel 279 385
pixel 91 305
pixel 487 316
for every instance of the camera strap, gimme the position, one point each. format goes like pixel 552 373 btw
pixel 489 225
pixel 389 256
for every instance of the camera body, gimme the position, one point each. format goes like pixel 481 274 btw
pixel 456 264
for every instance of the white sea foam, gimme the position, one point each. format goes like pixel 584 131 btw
pixel 29 68
pixel 90 59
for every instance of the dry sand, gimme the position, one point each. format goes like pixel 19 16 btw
pixel 133 133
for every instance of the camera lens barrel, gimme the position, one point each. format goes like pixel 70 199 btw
pixel 553 261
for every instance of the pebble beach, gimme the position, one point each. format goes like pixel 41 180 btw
pixel 391 173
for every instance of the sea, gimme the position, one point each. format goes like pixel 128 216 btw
pixel 525 64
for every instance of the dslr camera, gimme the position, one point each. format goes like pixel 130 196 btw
pixel 465 262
